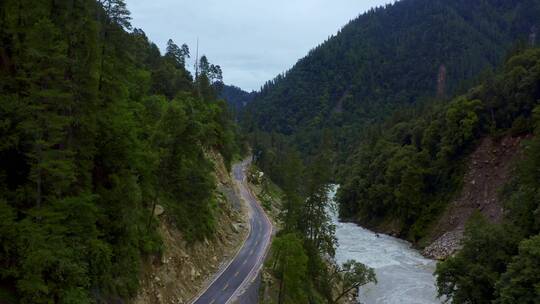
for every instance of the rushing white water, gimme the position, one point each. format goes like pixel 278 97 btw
pixel 404 276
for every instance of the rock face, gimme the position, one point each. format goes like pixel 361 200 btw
pixel 182 270
pixel 159 210
pixel 489 168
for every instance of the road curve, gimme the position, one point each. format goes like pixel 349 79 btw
pixel 237 276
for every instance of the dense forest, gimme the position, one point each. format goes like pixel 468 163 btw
pixel 394 104
pixel 408 172
pixel 411 168
pixel 236 97
pixel 390 57
pixel 303 251
pixel 366 84
pixel 499 263
pixel 96 128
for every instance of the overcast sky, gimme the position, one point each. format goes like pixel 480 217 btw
pixel 252 40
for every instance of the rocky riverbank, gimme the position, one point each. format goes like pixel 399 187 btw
pixel 445 246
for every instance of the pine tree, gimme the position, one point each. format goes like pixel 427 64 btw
pixel 289 264
pixel 176 54
pixel 48 100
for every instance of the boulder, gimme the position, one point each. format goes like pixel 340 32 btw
pixel 159 210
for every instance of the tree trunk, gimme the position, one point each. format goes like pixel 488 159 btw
pixel 38 177
pixel 104 41
pixel 103 52
pixel 276 259
pixel 154 203
pixel 343 293
pixel 281 290
pixel 282 283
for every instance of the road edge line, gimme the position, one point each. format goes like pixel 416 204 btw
pixel 225 267
pixel 250 278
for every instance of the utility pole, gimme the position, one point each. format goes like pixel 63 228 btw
pixel 532 37
pixel 197 70
pixel 197 60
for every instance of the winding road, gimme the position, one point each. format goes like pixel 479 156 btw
pixel 245 266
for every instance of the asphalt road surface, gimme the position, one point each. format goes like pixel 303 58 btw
pixel 246 265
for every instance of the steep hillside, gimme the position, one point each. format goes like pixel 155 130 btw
pixel 490 166
pixel 98 128
pixel 415 165
pixel 457 159
pixel 237 98
pixel 179 274
pixel 388 58
pixel 500 262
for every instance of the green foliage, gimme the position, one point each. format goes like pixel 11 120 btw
pixel 185 184
pixel 386 60
pixel 523 193
pixel 236 97
pixel 380 89
pixel 289 263
pixel 351 276
pixel 177 54
pixel 489 268
pixel 521 282
pixel 471 275
pixel 305 206
pixel 96 128
pixel 408 171
pixel 8 232
pixel 7 296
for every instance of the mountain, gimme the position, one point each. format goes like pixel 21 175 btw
pixel 498 191
pixel 236 97
pixel 96 129
pixel 433 108
pixel 390 57
pixel 417 164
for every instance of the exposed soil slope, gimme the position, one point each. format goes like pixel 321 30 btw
pixel 184 270
pixel 489 168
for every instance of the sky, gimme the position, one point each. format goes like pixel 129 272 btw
pixel 252 40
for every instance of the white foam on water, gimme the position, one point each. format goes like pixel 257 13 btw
pixel 404 276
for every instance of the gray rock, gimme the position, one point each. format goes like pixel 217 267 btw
pixel 445 246
pixel 159 210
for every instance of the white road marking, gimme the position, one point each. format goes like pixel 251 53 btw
pixel 256 232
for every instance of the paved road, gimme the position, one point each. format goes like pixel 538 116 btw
pixel 247 263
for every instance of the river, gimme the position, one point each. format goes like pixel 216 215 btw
pixel 404 276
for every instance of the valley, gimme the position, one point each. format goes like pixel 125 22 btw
pixel 396 160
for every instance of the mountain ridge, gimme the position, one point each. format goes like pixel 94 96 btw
pixel 387 58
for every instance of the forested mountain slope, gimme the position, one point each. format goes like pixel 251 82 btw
pixel 405 175
pixel 411 170
pixel 499 262
pixel 388 58
pixel 404 94
pixel 236 97
pixel 96 128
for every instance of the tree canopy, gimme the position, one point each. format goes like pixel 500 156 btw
pixel 96 128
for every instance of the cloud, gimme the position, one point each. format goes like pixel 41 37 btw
pixel 252 40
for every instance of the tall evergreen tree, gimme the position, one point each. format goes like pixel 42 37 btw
pixel 88 144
